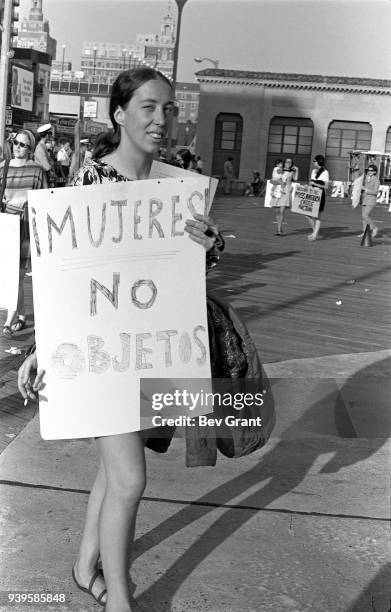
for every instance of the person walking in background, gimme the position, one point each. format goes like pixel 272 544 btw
pixel 369 192
pixel 64 157
pixel 229 175
pixel 21 175
pixel 319 178
pixel 41 155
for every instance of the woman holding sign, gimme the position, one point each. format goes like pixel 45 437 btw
pixel 290 174
pixel 319 178
pixel 141 105
pixel 369 192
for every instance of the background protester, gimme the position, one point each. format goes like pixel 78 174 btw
pixel 140 107
pixel 290 173
pixel 368 202
pixel 21 175
pixel 319 178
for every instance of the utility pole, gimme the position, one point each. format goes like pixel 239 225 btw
pixel 180 4
pixel 4 59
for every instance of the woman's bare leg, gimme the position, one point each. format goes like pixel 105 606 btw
pixel 280 218
pixel 89 550
pixel 124 462
pixel 315 228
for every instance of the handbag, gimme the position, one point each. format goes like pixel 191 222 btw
pixel 244 428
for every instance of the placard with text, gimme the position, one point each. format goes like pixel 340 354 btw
pixel 119 295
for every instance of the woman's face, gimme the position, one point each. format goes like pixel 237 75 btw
pixel 144 121
pixel 21 147
pixel 316 165
pixel 288 163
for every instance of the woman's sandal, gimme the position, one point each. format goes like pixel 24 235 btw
pixel 96 575
pixel 7 331
pixel 19 325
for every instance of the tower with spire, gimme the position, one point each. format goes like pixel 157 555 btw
pixel 159 48
pixel 34 31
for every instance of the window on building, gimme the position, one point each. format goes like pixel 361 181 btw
pixel 228 135
pixel 227 141
pixel 345 136
pixel 288 135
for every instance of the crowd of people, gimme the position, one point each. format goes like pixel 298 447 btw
pixel 285 173
pixel 56 156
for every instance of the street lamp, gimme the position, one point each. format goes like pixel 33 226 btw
pixel 94 67
pixel 180 4
pixel 123 59
pixel 208 59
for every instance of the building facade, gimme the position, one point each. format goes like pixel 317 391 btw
pixel 187 98
pixel 28 87
pixel 101 62
pixel 34 31
pixel 159 48
pixel 258 117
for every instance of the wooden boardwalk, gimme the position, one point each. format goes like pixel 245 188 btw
pixel 299 299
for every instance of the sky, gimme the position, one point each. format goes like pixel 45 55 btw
pixel 328 37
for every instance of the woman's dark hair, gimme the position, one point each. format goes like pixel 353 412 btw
pixel 122 92
pixel 320 160
pixel 373 167
pixel 278 161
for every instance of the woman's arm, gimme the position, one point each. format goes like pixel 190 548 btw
pixel 204 231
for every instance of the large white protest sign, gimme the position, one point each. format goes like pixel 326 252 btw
pixel 357 186
pixel 162 170
pixel 119 295
pixel 9 260
pixel 306 200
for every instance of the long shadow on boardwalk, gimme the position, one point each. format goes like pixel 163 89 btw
pixel 283 472
pixel 376 596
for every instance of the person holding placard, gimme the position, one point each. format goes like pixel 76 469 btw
pixel 21 175
pixel 141 105
pixel 319 178
pixel 369 192
pixel 290 173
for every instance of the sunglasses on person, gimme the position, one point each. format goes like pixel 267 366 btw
pixel 21 144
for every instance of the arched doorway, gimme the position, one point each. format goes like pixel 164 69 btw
pixel 227 141
pixel 290 137
pixel 343 137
